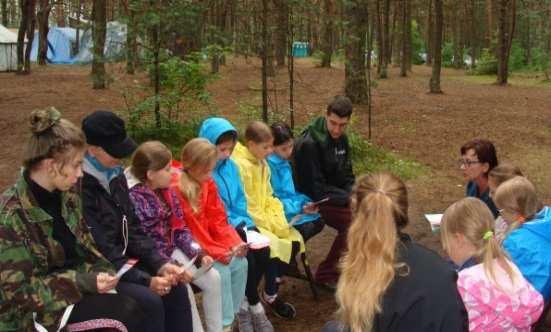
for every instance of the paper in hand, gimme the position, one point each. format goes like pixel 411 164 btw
pixel 434 219
pixel 127 266
pixel 200 272
pixel 255 240
pixel 295 220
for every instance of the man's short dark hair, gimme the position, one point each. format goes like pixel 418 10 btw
pixel 485 152
pixel 340 106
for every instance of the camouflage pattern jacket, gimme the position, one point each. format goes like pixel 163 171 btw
pixel 32 273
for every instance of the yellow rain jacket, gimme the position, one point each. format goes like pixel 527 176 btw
pixel 265 209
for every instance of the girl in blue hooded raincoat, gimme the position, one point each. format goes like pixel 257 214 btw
pixel 528 235
pixel 299 208
pixel 223 134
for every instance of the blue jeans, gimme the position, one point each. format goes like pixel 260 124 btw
pixel 234 280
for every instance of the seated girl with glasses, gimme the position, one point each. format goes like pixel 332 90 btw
pixel 478 157
pixel 528 235
pixel 496 295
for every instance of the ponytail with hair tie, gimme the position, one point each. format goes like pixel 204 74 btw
pixel 488 235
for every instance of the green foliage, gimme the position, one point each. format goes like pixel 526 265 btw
pixel 172 134
pixel 368 158
pixel 516 58
pixel 417 44
pixel 486 64
pixel 447 54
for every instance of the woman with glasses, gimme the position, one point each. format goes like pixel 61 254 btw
pixel 528 235
pixel 478 158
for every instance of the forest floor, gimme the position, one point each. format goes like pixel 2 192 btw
pixel 406 119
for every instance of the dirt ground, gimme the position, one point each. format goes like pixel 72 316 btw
pixel 416 125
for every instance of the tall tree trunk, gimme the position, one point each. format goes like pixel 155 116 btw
pixel 406 38
pixel 43 29
pixel 328 33
pixel 60 13
pixel 355 71
pixel 131 42
pixel 265 60
pixel 437 56
pixel 281 32
pixel 4 5
pixel 489 22
pixel 386 39
pixel 507 17
pixel 380 40
pixel 396 35
pixel 430 34
pixel 456 34
pixel 98 35
pixel 26 29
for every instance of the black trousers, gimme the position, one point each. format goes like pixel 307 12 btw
pixel 109 306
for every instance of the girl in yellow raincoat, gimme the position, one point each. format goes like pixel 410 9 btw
pixel 265 209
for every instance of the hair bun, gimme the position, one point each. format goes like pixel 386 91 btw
pixel 44 119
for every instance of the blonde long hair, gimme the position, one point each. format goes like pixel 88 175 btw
pixel 197 154
pixel 471 218
pixel 518 195
pixel 379 205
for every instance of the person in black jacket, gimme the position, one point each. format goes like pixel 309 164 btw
pixel 324 170
pixel 154 282
pixel 388 283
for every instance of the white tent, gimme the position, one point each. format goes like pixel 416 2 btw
pixel 8 50
pixel 115 43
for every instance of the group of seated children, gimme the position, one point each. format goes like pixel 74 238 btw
pixel 87 245
pixel 163 224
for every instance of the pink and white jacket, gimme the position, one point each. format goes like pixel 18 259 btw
pixel 509 307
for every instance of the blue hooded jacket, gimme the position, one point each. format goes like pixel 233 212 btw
pixel 284 189
pixel 226 175
pixel 530 249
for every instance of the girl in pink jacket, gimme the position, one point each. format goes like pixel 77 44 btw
pixel 496 295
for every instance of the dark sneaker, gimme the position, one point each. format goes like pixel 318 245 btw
pixel 281 309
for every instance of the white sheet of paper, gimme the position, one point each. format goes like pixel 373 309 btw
pixel 127 266
pixel 434 219
pixel 255 240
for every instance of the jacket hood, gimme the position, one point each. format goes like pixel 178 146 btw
pixel 241 152
pixel 276 160
pixel 541 224
pixel 213 128
pixel 131 179
pixel 318 129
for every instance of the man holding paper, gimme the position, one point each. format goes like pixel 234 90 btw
pixel 324 169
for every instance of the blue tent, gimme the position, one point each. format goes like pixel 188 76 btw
pixel 60 45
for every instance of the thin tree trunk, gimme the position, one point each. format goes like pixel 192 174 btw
pixel 437 56
pixel 26 29
pixel 355 71
pixel 380 40
pixel 43 29
pixel 60 13
pixel 291 69
pixel 281 32
pixel 264 60
pixel 131 43
pixel 386 40
pixel 396 36
pixel 406 38
pixel 430 34
pixel 98 35
pixel 328 32
pixel 507 15
pixel 490 23
pixel 4 5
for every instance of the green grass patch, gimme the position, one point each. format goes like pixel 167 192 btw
pixel 368 158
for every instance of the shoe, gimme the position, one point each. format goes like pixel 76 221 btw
pixel 281 309
pixel 261 323
pixel 245 321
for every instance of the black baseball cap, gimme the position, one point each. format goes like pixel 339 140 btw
pixel 106 130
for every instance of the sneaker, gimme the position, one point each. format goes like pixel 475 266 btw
pixel 261 323
pixel 245 321
pixel 281 309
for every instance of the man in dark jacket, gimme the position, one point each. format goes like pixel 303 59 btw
pixel 324 170
pixel 109 213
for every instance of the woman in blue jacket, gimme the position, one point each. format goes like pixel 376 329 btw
pixel 299 209
pixel 528 235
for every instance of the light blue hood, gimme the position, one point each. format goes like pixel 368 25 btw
pixel 281 180
pixel 226 175
pixel 530 249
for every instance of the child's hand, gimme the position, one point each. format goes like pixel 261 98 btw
pixel 310 208
pixel 240 250
pixel 207 261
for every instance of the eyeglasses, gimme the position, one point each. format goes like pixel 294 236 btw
pixel 467 163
